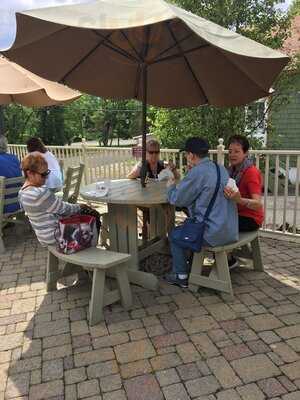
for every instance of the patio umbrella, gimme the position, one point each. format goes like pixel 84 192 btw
pixel 148 50
pixel 23 87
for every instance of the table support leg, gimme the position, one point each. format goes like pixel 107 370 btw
pixel 123 237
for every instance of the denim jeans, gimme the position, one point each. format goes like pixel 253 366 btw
pixel 180 257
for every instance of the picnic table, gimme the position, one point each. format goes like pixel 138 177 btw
pixel 123 199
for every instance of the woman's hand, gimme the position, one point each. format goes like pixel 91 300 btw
pixel 232 195
pixel 170 182
pixel 84 206
pixel 171 166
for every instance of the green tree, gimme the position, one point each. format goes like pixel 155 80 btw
pixel 122 116
pixel 295 8
pixel 259 20
pixel 20 122
pixel 51 125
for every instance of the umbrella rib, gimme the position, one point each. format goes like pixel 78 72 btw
pixel 174 56
pixel 187 62
pixel 81 60
pixel 172 47
pixel 145 50
pixel 131 45
pixel 111 45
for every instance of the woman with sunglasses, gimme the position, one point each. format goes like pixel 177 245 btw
pixel 40 204
pixel 153 163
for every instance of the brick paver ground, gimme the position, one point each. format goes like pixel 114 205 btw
pixel 172 345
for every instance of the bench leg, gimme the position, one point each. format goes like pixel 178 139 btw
pixel 52 272
pixel 224 274
pixel 257 259
pixel 197 266
pixel 124 287
pixel 97 297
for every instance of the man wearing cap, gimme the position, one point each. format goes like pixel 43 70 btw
pixel 9 168
pixel 195 192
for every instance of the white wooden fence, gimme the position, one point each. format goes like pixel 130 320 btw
pixel 280 169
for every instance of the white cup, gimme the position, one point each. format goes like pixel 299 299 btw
pixel 102 188
pixel 232 185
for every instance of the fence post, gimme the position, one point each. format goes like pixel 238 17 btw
pixel 84 160
pixel 220 149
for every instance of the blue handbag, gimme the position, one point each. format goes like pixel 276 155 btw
pixel 190 234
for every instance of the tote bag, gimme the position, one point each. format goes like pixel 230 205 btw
pixel 76 233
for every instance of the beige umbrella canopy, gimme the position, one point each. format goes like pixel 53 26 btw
pixel 17 85
pixel 148 50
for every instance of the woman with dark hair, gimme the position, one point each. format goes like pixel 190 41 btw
pixel 54 180
pixel 249 182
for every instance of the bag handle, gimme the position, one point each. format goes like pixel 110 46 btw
pixel 213 199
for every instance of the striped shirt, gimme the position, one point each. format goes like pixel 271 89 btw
pixel 44 209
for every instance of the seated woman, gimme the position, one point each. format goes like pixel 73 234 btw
pixel 54 180
pixel 154 166
pixel 249 182
pixel 153 163
pixel 40 204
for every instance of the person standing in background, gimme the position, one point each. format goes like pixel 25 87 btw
pixel 54 180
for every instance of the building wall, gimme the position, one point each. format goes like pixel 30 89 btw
pixel 286 121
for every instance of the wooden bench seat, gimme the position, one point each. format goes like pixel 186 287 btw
pixel 99 261
pixel 219 277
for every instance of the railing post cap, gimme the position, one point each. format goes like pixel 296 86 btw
pixel 221 141
pixel 83 140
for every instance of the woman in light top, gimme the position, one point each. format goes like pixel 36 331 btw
pixel 40 204
pixel 54 180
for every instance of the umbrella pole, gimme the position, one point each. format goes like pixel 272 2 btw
pixel 144 126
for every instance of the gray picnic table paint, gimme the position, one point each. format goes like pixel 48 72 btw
pixel 123 199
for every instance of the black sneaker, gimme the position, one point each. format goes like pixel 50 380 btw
pixel 232 263
pixel 173 279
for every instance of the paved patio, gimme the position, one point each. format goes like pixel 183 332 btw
pixel 172 345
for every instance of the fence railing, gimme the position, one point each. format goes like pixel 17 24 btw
pixel 280 170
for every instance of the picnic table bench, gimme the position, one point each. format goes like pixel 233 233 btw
pixel 100 262
pixel 219 277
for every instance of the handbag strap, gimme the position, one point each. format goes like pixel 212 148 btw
pixel 213 199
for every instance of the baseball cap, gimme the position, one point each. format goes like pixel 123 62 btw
pixel 196 145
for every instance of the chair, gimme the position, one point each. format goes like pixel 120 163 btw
pixel 11 187
pixel 101 263
pixel 72 183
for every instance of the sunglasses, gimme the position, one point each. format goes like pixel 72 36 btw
pixel 43 174
pixel 153 152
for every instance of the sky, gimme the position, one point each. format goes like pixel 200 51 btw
pixel 9 7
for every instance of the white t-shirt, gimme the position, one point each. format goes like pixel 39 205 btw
pixel 54 180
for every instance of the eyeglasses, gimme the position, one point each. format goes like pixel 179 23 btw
pixel 153 152
pixel 43 174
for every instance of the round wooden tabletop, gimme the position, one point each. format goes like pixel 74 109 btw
pixel 128 191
